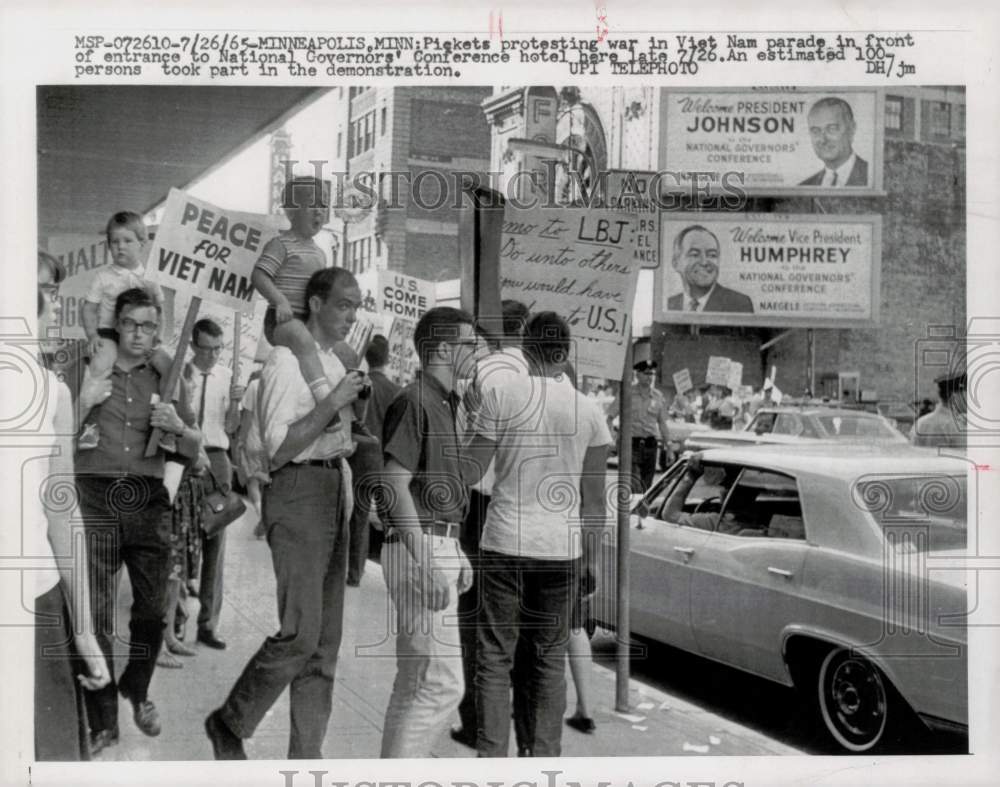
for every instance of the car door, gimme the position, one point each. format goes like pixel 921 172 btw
pixel 747 575
pixel 659 554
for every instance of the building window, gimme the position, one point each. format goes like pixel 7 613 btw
pixel 359 255
pixel 894 113
pixel 385 116
pixel 362 133
pixel 340 139
pixel 960 121
pixel 940 119
pixel 378 247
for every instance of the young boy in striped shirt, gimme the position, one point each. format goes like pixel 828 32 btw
pixel 281 274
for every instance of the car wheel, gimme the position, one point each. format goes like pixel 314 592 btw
pixel 853 700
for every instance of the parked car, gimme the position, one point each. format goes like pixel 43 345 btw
pixel 792 425
pixel 817 575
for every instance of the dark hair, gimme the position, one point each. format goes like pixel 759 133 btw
pixel 136 298
pixel 546 339
pixel 205 325
pixel 440 324
pixel 514 314
pixel 288 193
pixel 53 264
pixel 321 282
pixel 831 102
pixel 679 238
pixel 130 221
pixel 377 354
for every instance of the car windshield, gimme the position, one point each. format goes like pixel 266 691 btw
pixel 853 426
pixel 918 513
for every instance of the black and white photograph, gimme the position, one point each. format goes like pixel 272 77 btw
pixel 388 398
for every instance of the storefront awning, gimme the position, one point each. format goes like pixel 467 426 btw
pixel 107 148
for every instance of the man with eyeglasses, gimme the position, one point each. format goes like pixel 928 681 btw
pixel 216 402
pixel 424 565
pixel 123 502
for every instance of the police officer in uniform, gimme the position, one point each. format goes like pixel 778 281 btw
pixel 649 424
pixel 945 425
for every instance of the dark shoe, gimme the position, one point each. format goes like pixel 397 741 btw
pixel 225 745
pixel 581 723
pixel 144 713
pixel 353 583
pixel 208 638
pixel 460 735
pixel 101 739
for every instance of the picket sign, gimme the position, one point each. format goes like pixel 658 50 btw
pixel 174 375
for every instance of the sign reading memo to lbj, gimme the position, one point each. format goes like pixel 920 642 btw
pixel 578 263
pixel 808 271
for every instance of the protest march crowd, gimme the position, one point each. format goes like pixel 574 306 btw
pixel 488 471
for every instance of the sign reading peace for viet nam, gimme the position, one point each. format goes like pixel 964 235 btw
pixel 775 141
pixel 768 269
pixel 207 251
pixel 578 263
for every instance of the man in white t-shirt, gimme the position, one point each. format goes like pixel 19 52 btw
pixel 540 538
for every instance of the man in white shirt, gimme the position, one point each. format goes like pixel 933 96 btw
pixel 550 444
pixel 216 402
pixel 306 516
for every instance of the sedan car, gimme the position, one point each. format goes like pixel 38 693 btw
pixel 789 426
pixel 828 568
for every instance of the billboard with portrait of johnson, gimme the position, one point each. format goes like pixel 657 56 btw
pixel 774 141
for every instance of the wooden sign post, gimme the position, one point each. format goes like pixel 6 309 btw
pixel 169 385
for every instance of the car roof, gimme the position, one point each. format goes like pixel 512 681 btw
pixel 818 411
pixel 837 460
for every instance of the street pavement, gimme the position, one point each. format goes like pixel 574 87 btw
pixel 657 723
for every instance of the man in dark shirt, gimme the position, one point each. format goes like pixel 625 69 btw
pixel 425 568
pixel 123 500
pixel 366 461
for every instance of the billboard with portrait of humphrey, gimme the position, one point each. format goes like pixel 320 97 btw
pixel 768 269
pixel 774 141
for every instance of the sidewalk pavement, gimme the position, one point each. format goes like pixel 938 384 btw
pixel 656 725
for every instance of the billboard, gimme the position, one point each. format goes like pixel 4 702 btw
pixel 773 141
pixel 806 270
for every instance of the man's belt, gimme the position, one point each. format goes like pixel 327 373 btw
pixel 437 528
pixel 211 449
pixel 329 464
pixel 644 440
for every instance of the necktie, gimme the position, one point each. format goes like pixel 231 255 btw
pixel 201 406
pixel 694 305
pixel 833 180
